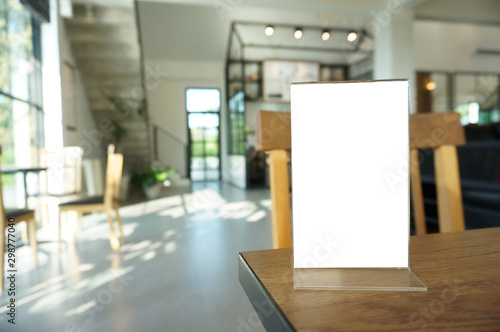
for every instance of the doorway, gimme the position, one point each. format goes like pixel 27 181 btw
pixel 203 118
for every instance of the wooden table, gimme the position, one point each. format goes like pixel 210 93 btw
pixel 461 271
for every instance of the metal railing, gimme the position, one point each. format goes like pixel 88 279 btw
pixel 169 149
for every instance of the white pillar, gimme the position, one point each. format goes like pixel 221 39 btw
pixel 52 81
pixel 393 53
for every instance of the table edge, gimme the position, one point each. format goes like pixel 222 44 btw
pixel 256 292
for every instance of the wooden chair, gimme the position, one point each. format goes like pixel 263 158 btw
pixel 443 133
pixel 440 131
pixel 62 181
pixel 274 136
pixel 17 215
pixel 106 203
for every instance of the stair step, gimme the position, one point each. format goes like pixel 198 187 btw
pixel 99 80
pixel 85 53
pixel 118 35
pixel 124 91
pixel 102 14
pixel 103 31
pixel 106 45
pixel 83 22
pixel 120 66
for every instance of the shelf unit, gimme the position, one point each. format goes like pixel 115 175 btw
pixel 244 84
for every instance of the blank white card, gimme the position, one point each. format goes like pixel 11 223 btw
pixel 350 152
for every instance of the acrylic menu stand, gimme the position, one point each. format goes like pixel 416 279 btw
pixel 350 156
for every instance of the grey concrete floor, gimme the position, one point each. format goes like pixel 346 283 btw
pixel 176 271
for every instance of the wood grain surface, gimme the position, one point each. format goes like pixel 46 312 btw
pixel 461 271
pixel 432 130
pixel 273 131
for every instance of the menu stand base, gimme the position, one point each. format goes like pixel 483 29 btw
pixel 379 279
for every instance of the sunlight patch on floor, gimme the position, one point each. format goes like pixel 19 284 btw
pixel 81 309
pixel 170 247
pixel 257 216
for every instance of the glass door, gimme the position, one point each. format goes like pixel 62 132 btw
pixel 203 107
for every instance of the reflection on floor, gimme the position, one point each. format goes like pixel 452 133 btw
pixel 177 270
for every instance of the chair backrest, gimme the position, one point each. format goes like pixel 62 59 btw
pixel 274 135
pixel 439 131
pixel 443 133
pixel 64 170
pixel 114 168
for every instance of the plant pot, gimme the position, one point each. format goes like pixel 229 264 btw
pixel 153 191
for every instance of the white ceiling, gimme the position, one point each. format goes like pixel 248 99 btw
pixel 182 32
pixel 199 29
pixel 463 11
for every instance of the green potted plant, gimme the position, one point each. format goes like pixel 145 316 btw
pixel 125 108
pixel 151 180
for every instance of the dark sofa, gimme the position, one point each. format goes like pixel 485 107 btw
pixel 479 163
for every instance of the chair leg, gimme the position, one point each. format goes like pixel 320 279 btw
pixel 73 220
pixel 113 240
pixel 31 223
pixel 44 214
pixel 122 236
pixel 24 232
pixel 80 220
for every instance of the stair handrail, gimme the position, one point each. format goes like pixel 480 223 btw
pixel 174 138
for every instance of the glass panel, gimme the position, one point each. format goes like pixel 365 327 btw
pixel 212 175
pixel 195 121
pixel 211 120
pixel 203 106
pixel 212 134
pixel 197 175
pixel 203 120
pixel 16 49
pixel 476 98
pixel 438 87
pixel 236 125
pixel 6 131
pixel 211 149
pixel 358 279
pixel 197 163
pixel 212 163
pixel 203 100
pixel 196 135
pixel 17 132
pixel 196 150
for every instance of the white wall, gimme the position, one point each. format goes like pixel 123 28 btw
pixel 51 75
pixel 452 46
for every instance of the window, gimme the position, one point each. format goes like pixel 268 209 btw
pixel 476 98
pixel 203 107
pixel 474 95
pixel 21 112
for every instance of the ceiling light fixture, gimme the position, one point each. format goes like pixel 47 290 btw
pixel 352 36
pixel 269 30
pixel 298 33
pixel 430 86
pixel 325 35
